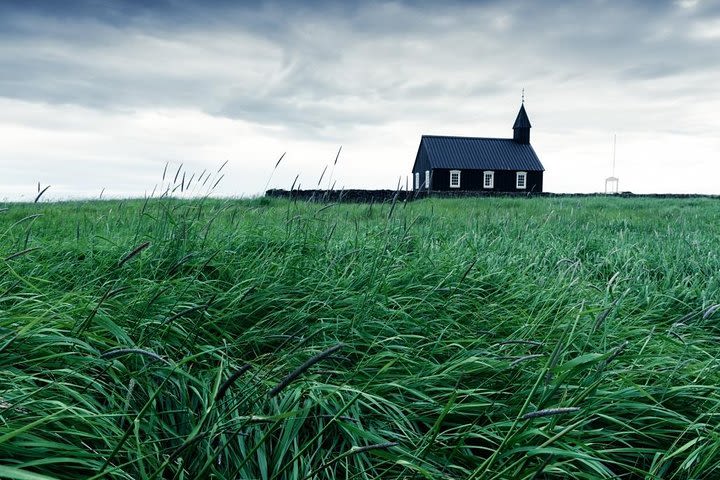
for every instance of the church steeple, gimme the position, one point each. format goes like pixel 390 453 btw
pixel 521 129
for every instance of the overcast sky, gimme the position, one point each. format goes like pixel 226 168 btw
pixel 102 94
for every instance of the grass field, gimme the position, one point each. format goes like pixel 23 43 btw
pixel 265 339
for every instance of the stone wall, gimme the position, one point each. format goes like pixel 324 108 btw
pixel 380 196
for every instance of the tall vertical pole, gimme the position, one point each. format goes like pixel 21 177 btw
pixel 614 145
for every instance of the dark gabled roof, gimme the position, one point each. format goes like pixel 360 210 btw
pixel 472 153
pixel 522 120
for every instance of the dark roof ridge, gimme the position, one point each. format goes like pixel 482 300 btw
pixel 472 138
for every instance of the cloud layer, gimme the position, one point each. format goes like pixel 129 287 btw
pixel 95 96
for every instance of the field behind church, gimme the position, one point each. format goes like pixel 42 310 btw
pixel 468 338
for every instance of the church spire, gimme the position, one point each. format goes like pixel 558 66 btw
pixel 521 128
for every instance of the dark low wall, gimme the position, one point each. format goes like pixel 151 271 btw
pixel 356 196
pixel 379 196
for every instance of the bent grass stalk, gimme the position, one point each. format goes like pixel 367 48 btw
pixel 303 368
pixel 231 379
pixel 352 451
pixel 277 164
pixel 133 253
pixel 549 412
pixel 526 358
pixel 40 194
pixel 20 253
pixel 135 351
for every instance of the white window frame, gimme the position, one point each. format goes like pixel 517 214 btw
pixel 518 176
pixel 492 179
pixel 427 179
pixel 417 180
pixel 454 184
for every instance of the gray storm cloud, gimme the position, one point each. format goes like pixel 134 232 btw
pixel 329 75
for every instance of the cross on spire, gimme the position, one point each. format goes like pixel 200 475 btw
pixel 523 96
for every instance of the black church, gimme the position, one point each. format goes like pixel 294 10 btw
pixel 480 164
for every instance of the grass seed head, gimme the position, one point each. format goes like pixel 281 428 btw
pixel 710 310
pixel 231 379
pixel 303 368
pixel 136 351
pixel 548 412
pixel 134 252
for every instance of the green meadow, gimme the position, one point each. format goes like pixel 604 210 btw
pixel 439 339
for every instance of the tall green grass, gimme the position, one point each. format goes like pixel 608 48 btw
pixel 473 338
